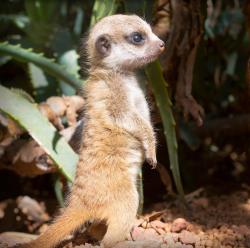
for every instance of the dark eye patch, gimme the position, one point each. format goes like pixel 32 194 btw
pixel 136 38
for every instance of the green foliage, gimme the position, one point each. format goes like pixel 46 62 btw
pixel 159 87
pixel 23 94
pixel 54 28
pixel 38 80
pixel 28 116
pixel 41 24
pixel 20 21
pixel 58 190
pixel 42 21
pixel 101 9
pixel 48 65
pixel 69 59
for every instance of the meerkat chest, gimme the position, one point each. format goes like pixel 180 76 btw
pixel 137 98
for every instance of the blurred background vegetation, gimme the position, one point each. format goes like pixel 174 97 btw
pixel 204 72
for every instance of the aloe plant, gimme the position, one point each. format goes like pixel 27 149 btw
pixel 43 17
pixel 101 9
pixel 38 64
pixel 28 116
pixel 48 65
pixel 159 87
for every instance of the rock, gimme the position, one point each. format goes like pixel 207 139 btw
pixel 202 202
pixel 161 231
pixel 34 210
pixel 169 240
pixel 242 229
pixel 158 224
pixel 180 245
pixel 87 246
pixel 139 222
pixel 179 225
pixel 188 238
pixel 140 233
pixel 139 244
pixel 13 238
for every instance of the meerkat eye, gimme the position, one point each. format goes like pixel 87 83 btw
pixel 136 38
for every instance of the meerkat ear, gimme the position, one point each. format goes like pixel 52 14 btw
pixel 103 44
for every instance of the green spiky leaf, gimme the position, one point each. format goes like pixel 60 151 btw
pixel 23 94
pixel 43 16
pixel 70 60
pixel 38 81
pixel 28 116
pixel 163 102
pixel 48 65
pixel 101 9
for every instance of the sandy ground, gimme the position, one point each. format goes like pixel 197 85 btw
pixel 210 221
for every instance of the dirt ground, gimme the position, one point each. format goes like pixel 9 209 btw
pixel 209 221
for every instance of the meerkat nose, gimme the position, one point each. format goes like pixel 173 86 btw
pixel 162 46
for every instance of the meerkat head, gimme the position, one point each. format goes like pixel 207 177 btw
pixel 124 42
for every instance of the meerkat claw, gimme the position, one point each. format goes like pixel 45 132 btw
pixel 152 163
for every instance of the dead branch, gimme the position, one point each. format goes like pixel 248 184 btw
pixel 179 60
pixel 161 22
pixel 230 127
pixel 165 178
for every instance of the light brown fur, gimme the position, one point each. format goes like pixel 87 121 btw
pixel 117 137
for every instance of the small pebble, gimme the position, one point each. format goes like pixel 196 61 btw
pixel 179 225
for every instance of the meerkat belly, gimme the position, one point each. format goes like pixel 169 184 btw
pixel 116 150
pixel 109 172
pixel 111 141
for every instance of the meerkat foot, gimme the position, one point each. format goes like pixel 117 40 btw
pixel 119 223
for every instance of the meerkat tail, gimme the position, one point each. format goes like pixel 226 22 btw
pixel 68 222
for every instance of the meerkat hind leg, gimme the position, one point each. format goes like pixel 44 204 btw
pixel 117 231
pixel 119 225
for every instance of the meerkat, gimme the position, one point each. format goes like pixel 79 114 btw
pixel 117 136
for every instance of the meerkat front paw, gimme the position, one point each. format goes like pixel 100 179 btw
pixel 151 158
pixel 152 162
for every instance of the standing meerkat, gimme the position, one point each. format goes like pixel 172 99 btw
pixel 118 135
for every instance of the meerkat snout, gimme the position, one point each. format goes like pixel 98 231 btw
pixel 123 42
pixel 160 47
